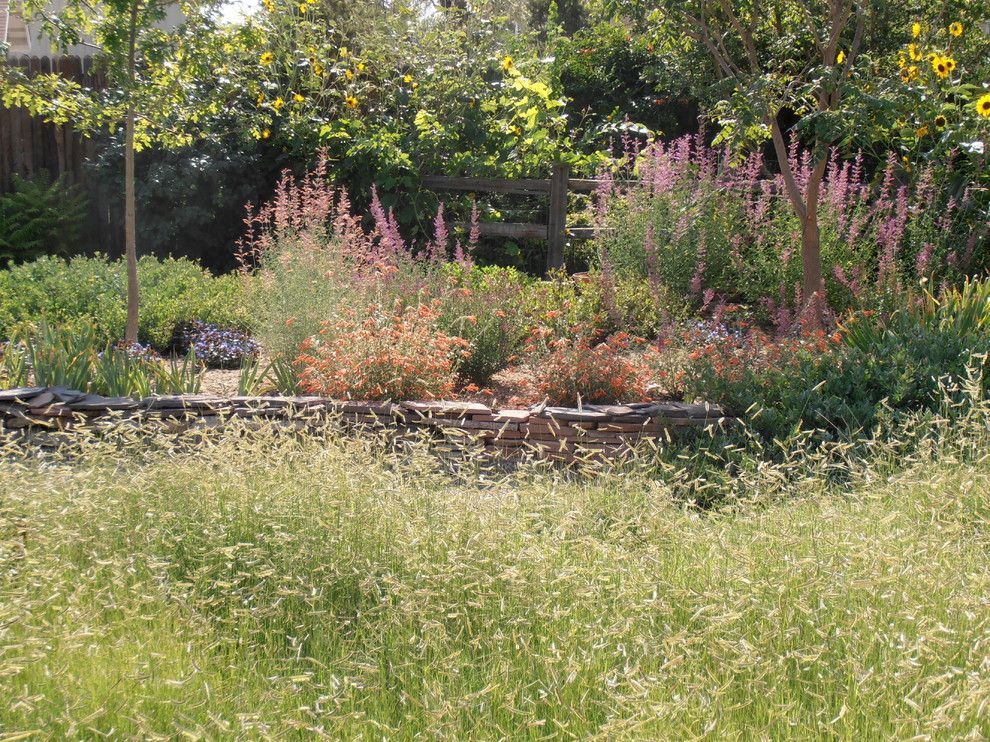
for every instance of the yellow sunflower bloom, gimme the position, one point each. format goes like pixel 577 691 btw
pixel 921 131
pixel 941 67
pixel 343 52
pixel 351 101
pixel 298 97
pixel 266 133
pixel 266 58
pixel 983 106
pixel 950 62
pixel 940 121
pixel 317 68
pixel 909 74
pixel 507 63
pixel 348 74
pixel 956 28
pixel 407 79
pixel 278 103
pixel 915 30
pixel 914 52
pixel 360 67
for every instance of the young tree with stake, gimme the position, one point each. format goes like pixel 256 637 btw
pixel 164 85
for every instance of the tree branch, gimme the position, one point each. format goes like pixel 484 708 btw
pixel 744 34
pixel 790 183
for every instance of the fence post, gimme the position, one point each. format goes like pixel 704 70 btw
pixel 557 223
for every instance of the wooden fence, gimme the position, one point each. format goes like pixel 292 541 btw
pixel 555 231
pixel 29 146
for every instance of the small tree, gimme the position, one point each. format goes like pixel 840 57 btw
pixel 156 84
pixel 786 56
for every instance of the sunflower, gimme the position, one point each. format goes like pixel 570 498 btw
pixel 956 28
pixel 950 62
pixel 278 103
pixel 909 74
pixel 941 67
pixel 921 131
pixel 351 101
pixel 317 68
pixel 266 133
pixel 507 63
pixel 266 58
pixel 940 121
pixel 914 52
pixel 915 30
pixel 407 78
pixel 983 106
pixel 298 97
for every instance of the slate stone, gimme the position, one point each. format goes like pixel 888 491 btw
pixel 98 403
pixel 515 416
pixel 363 407
pixel 572 413
pixel 52 410
pixel 445 407
pixel 64 394
pixel 278 401
pixel 612 410
pixel 184 402
pixel 43 400
pixel 20 394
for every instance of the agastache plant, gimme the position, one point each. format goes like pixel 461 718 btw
pixel 701 217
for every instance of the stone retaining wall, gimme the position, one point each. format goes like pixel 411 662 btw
pixel 554 432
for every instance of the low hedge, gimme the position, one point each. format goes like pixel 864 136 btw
pixel 173 292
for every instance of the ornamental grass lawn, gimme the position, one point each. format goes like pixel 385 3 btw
pixel 262 586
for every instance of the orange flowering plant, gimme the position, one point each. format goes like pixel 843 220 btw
pixel 576 369
pixel 382 353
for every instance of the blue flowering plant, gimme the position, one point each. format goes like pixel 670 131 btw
pixel 216 346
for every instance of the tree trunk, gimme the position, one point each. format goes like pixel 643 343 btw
pixel 130 228
pixel 813 281
pixel 130 233
pixel 805 204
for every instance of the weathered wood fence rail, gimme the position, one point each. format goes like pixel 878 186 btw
pixel 555 231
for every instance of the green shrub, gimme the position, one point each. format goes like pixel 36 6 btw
pixel 94 289
pixel 603 304
pixel 901 363
pixel 484 306
pixel 39 217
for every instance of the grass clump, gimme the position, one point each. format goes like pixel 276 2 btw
pixel 274 587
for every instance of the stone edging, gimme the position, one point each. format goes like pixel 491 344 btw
pixel 553 432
